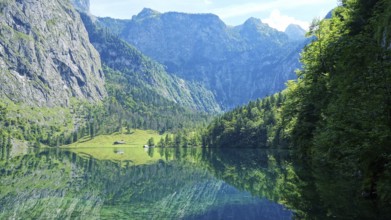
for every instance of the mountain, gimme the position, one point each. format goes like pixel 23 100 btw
pixel 295 32
pixel 45 56
pixel 146 75
pixel 238 64
pixel 81 5
pixel 55 88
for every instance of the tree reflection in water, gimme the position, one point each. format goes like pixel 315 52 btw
pixel 187 183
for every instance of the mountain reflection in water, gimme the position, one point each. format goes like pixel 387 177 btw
pixel 184 183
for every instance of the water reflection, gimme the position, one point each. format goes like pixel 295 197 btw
pixel 310 191
pixel 181 183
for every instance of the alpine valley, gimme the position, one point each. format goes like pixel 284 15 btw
pixel 156 71
pixel 181 116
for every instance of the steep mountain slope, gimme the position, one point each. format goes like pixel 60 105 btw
pixel 146 75
pixel 45 55
pixel 81 5
pixel 295 32
pixel 237 63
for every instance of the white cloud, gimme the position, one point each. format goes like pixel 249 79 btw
pixel 280 22
pixel 241 9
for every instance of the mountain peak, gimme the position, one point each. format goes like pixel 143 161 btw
pixel 253 21
pixel 295 32
pixel 256 24
pixel 147 12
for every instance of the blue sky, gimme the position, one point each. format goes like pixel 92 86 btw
pixel 277 13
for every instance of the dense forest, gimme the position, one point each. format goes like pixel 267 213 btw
pixel 338 113
pixel 258 124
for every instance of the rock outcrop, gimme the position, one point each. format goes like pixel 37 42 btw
pixel 45 55
pixel 82 5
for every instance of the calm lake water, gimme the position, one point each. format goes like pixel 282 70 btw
pixel 171 184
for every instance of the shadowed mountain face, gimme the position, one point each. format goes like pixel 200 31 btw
pixel 236 63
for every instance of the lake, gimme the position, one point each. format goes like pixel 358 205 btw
pixel 185 183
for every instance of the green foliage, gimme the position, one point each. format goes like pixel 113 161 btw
pixel 151 142
pixel 182 139
pixel 35 125
pixel 337 115
pixel 42 126
pixel 341 103
pixel 143 108
pixel 257 124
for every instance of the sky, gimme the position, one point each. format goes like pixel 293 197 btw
pixel 276 13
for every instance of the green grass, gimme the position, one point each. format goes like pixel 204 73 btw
pixel 102 147
pixel 137 138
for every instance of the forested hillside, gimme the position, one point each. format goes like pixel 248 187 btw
pixel 338 113
pixel 258 124
pixel 342 102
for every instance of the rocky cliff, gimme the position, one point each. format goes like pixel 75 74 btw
pixel 45 54
pixel 81 5
pixel 238 64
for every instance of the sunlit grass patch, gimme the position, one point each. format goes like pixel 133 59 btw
pixel 102 147
pixel 137 138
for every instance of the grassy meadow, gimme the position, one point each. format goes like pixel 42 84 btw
pixel 102 147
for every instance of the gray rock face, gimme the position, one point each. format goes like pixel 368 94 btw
pixel 237 63
pixel 82 5
pixel 45 54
